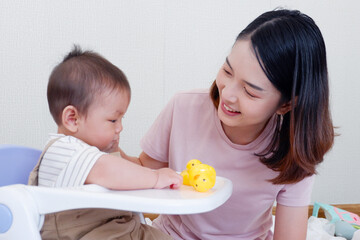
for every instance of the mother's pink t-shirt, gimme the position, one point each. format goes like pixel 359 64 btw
pixel 187 128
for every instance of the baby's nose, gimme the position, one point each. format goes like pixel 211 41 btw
pixel 119 128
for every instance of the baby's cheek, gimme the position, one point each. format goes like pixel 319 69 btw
pixel 111 148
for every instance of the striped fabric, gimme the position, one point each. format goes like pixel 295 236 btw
pixel 67 162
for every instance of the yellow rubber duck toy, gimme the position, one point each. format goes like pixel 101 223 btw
pixel 199 175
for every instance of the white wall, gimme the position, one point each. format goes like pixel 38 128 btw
pixel 163 47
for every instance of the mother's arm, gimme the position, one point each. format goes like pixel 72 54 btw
pixel 143 160
pixel 147 161
pixel 290 223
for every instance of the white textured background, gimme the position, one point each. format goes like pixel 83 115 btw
pixel 163 47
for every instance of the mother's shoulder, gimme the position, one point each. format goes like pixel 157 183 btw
pixel 193 100
pixel 192 94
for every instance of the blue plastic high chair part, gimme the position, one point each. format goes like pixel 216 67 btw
pixel 6 218
pixel 16 163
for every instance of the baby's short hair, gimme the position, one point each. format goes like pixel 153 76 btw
pixel 80 77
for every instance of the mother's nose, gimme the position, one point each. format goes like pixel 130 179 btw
pixel 229 94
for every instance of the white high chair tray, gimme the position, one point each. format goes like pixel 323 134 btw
pixel 185 200
pixel 22 207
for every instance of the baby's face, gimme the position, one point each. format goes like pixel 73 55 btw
pixel 103 123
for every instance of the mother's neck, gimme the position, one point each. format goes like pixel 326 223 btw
pixel 243 135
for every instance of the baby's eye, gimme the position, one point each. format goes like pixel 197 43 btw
pixel 113 121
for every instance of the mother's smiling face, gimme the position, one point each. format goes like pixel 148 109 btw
pixel 247 99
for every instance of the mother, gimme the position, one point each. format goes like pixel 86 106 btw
pixel 264 124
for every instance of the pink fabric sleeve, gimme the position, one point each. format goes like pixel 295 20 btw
pixel 155 143
pixel 297 194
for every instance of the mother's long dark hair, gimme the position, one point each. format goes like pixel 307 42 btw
pixel 291 51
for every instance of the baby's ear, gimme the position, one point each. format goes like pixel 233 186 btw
pixel 70 118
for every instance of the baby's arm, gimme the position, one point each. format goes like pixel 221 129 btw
pixel 120 174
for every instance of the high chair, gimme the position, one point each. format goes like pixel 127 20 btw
pixel 22 207
pixel 16 163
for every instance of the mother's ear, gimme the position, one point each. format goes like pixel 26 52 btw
pixel 70 118
pixel 286 107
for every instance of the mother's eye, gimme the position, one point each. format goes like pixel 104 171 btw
pixel 248 93
pixel 227 72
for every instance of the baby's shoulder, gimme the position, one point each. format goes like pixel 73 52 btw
pixel 66 142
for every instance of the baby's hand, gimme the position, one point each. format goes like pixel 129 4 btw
pixel 168 178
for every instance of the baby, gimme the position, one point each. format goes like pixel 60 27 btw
pixel 88 97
